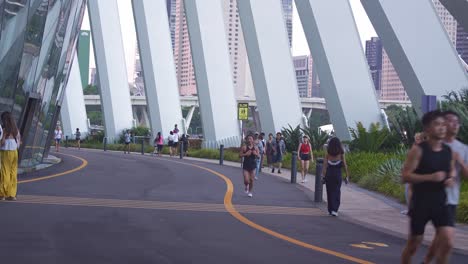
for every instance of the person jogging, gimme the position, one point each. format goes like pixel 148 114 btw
pixel 430 167
pixel 249 152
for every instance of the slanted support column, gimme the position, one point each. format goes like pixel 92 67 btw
pixel 343 70
pixel 459 10
pixel 73 111
pixel 271 64
pixel 188 118
pixel 213 73
pixel 157 60
pixel 418 47
pixel 110 64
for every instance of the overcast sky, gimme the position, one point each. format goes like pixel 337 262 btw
pixel 299 47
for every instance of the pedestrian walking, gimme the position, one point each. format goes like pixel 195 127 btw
pixel 332 166
pixel 249 152
pixel 10 143
pixel 127 140
pixel 175 142
pixel 305 155
pixel 78 138
pixel 58 137
pixel 170 143
pixel 452 120
pixel 259 144
pixel 280 150
pixel 158 144
pixel 185 144
pixel 270 151
pixel 262 158
pixel 430 167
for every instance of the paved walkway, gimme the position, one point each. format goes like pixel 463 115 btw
pixel 367 208
pixel 110 207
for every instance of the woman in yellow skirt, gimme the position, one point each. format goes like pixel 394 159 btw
pixel 10 143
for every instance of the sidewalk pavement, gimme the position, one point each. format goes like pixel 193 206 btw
pixel 46 162
pixel 366 208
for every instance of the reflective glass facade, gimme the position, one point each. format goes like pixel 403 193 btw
pixel 37 44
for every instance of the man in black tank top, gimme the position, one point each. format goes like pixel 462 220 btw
pixel 429 167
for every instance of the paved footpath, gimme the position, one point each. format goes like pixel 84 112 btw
pixel 108 207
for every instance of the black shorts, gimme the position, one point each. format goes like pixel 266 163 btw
pixel 160 147
pixel 419 216
pixel 174 144
pixel 170 143
pixel 304 156
pixel 452 210
pixel 126 143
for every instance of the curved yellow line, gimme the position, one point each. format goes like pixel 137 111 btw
pixel 84 163
pixel 232 210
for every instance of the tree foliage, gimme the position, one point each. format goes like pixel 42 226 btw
pixel 371 140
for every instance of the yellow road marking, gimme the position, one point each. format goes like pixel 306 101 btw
pixel 376 244
pixel 84 163
pixel 232 210
pixel 361 246
pixel 161 205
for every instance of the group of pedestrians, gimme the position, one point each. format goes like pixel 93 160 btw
pixel 58 135
pixel 173 141
pixel 253 152
pixel 10 140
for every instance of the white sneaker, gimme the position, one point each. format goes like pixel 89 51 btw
pixel 256 177
pixel 246 190
pixel 305 180
pixel 302 181
pixel 250 194
pixel 334 213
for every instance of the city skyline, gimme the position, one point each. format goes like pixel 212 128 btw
pixel 299 43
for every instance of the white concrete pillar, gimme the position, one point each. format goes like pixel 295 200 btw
pixel 73 111
pixel 157 60
pixel 418 46
pixel 345 81
pixel 110 64
pixel 271 64
pixel 459 10
pixel 210 55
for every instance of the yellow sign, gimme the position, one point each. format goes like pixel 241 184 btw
pixel 242 111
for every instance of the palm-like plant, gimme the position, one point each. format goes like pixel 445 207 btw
pixel 370 141
pixel 458 102
pixel 292 137
pixel 405 122
pixel 317 137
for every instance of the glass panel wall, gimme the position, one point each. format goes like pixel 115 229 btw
pixel 37 42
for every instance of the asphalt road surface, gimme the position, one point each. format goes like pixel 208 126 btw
pixel 110 207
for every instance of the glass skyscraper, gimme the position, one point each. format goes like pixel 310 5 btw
pixel 37 45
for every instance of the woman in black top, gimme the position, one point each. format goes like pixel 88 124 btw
pixel 249 152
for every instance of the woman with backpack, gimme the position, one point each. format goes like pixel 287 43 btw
pixel 332 165
pixel 10 143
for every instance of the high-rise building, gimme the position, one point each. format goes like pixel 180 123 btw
pixel 93 79
pixel 391 86
pixel 462 43
pixel 447 20
pixel 138 87
pixel 182 52
pixel 374 59
pixel 287 14
pixel 301 66
pixel 171 14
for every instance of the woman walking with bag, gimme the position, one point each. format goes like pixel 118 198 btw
pixel 333 163
pixel 10 143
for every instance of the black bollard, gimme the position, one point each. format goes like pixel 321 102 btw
pixel 66 141
pixel 293 167
pixel 142 146
pixel 221 154
pixel 105 143
pixel 181 149
pixel 318 181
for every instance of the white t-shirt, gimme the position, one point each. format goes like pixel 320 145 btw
pixel 58 134
pixel 170 138
pixel 176 137
pixel 453 193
